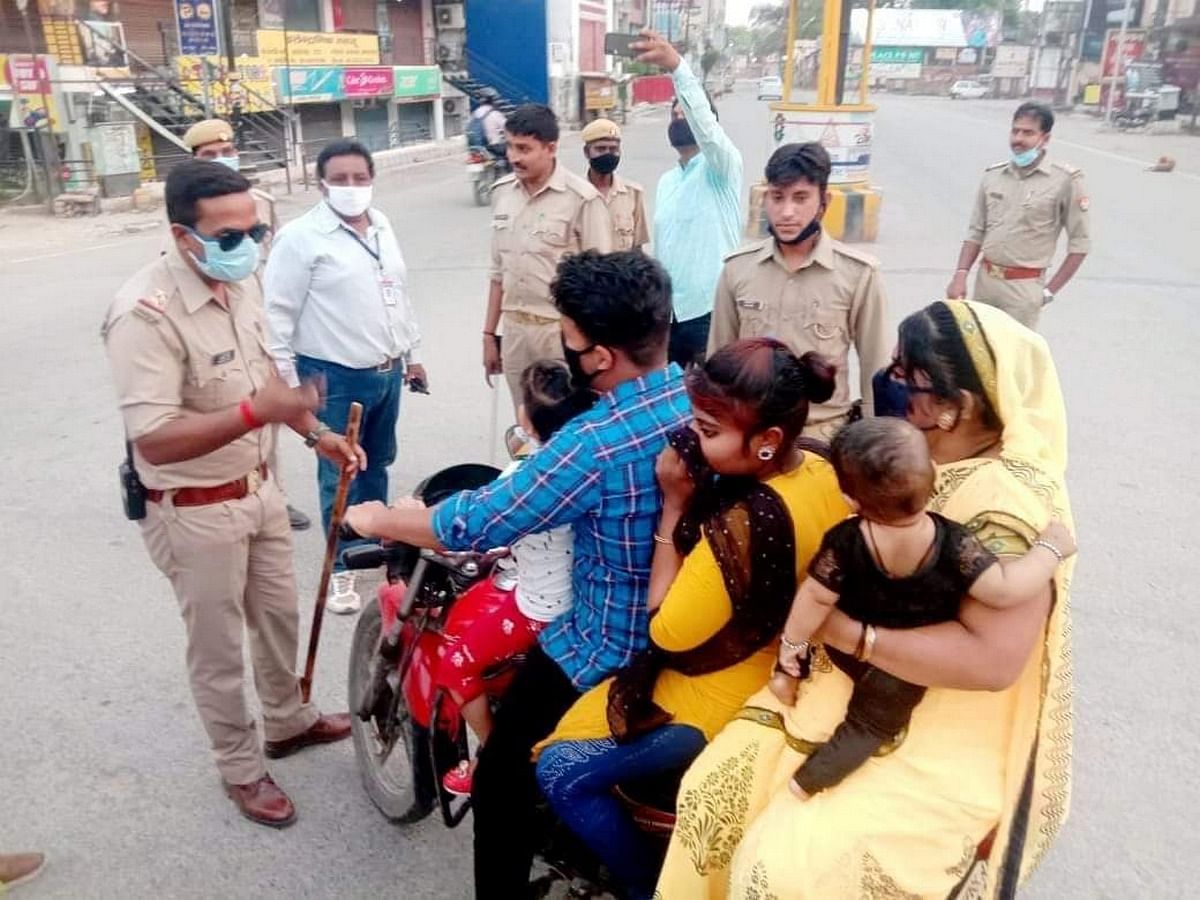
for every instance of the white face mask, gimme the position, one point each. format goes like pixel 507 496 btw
pixel 347 200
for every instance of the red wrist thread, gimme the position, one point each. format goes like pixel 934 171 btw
pixel 246 408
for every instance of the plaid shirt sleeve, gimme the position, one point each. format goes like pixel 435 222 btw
pixel 556 486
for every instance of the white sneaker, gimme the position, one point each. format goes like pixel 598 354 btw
pixel 342 599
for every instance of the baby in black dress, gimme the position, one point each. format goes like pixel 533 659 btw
pixel 893 565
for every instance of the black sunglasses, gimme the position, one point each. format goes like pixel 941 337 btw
pixel 229 238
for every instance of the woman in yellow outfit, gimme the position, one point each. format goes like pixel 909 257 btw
pixel 746 509
pixel 983 771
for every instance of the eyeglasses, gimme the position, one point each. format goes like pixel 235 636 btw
pixel 230 238
pixel 896 373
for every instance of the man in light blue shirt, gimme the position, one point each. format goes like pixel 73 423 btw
pixel 698 206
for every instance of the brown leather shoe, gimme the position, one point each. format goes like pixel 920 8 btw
pixel 326 730
pixel 262 801
pixel 18 868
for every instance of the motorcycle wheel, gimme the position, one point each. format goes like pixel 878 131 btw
pixel 384 750
pixel 483 190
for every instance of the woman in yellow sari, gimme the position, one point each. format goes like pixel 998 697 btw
pixel 984 768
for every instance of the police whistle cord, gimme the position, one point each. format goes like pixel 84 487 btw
pixel 331 544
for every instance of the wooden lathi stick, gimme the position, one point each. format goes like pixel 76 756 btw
pixel 331 544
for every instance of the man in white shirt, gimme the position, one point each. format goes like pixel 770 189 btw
pixel 338 309
pixel 491 120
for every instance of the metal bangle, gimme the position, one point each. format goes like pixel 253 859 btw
pixel 800 648
pixel 1049 546
pixel 659 539
pixel 868 645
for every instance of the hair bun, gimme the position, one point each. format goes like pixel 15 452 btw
pixel 820 377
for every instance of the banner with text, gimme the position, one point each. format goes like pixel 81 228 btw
pixel 312 48
pixel 196 22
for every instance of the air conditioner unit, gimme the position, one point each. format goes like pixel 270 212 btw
pixel 451 16
pixel 454 106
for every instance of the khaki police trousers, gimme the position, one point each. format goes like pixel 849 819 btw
pixel 1021 298
pixel 231 567
pixel 527 339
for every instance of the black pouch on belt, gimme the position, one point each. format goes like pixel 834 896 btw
pixel 133 492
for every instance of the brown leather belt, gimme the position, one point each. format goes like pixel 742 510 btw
pixel 1011 273
pixel 206 496
pixel 528 318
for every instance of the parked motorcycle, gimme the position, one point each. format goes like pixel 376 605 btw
pixel 407 731
pixel 484 169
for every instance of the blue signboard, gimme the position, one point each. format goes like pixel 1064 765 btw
pixel 308 84
pixel 197 24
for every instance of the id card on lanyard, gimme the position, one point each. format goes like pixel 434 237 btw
pixel 388 289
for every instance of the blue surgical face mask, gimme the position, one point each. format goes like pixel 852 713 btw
pixel 1026 157
pixel 226 265
pixel 230 162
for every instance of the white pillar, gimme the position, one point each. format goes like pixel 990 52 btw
pixel 348 127
pixel 439 120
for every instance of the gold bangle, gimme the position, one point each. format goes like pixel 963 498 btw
pixel 659 539
pixel 868 645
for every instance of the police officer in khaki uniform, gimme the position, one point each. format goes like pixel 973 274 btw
pixel 540 213
pixel 626 200
pixel 1021 207
pixel 805 288
pixel 212 139
pixel 197 388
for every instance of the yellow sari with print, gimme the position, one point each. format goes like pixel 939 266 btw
pixel 972 766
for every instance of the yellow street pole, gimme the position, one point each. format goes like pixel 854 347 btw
pixel 789 66
pixel 830 27
pixel 864 77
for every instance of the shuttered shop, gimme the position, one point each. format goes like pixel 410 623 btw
pixel 146 24
pixel 320 123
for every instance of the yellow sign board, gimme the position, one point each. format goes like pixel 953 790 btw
pixel 315 48
pixel 252 88
pixel 4 86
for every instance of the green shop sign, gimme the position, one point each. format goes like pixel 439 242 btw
pixel 897 54
pixel 418 81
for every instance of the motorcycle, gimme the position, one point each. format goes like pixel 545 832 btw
pixel 408 732
pixel 484 169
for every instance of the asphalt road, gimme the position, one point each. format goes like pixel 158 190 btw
pixel 104 765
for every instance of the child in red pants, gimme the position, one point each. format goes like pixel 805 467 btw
pixel 543 569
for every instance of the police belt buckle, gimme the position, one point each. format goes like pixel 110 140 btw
pixel 254 480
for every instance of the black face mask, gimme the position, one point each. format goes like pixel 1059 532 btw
pixel 679 133
pixel 891 396
pixel 605 163
pixel 805 233
pixel 580 379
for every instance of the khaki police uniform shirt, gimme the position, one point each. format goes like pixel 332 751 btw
pixel 626 203
pixel 174 349
pixel 834 300
pixel 530 235
pixel 1018 214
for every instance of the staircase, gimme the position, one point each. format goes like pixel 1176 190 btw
pixel 482 74
pixel 157 97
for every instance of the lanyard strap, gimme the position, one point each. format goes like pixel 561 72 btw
pixel 375 254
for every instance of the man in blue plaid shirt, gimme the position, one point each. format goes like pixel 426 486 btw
pixel 597 474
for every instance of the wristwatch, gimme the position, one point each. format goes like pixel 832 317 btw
pixel 1047 296
pixel 311 439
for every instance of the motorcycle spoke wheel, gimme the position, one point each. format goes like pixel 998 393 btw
pixel 384 750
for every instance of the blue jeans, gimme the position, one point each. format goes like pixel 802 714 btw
pixel 379 393
pixel 577 778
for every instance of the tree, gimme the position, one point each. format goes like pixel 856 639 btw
pixel 769 25
pixel 739 40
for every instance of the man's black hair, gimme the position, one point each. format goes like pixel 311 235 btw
pixel 1039 111
pixel 196 180
pixel 793 162
pixel 344 148
pixel 711 105
pixel 533 120
pixel 618 300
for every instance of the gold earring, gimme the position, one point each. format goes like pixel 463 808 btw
pixel 945 421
